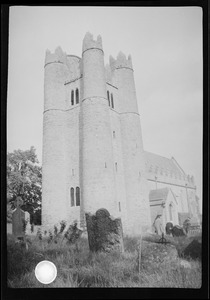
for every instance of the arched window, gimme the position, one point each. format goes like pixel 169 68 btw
pixel 72 97
pixel 72 196
pixel 77 196
pixel 112 101
pixel 77 96
pixel 108 97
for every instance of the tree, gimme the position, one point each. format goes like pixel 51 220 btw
pixel 24 179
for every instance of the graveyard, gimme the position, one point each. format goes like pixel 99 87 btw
pixel 102 256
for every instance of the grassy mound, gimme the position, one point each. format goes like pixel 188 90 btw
pixel 81 268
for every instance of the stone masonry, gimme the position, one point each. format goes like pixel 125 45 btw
pixel 93 154
pixel 92 143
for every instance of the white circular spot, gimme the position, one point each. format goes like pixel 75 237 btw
pixel 45 272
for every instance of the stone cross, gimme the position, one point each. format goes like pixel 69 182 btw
pixel 104 232
pixel 18 220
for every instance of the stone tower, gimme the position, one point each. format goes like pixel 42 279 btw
pixel 93 153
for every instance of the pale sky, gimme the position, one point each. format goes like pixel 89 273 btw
pixel 165 44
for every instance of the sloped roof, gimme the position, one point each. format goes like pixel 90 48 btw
pixel 159 194
pixel 156 163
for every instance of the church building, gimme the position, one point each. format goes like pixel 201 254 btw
pixel 93 154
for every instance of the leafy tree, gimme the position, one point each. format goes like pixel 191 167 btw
pixel 24 179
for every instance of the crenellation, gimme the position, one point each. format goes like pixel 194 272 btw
pixel 92 143
pixel 90 43
pixel 57 57
pixel 121 62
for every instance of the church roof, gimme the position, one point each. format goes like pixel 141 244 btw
pixel 159 194
pixel 157 164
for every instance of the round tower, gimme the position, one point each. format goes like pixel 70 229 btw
pixel 53 161
pixel 137 191
pixel 97 170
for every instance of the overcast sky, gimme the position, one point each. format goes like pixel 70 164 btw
pixel 166 48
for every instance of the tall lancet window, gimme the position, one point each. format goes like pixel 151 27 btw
pixel 112 100
pixel 72 97
pixel 108 97
pixel 77 196
pixel 72 196
pixel 77 96
pixel 171 212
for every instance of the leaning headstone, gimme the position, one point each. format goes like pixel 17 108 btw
pixel 18 223
pixel 104 232
pixel 193 249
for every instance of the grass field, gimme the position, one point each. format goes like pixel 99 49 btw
pixel 81 268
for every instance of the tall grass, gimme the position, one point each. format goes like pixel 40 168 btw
pixel 82 268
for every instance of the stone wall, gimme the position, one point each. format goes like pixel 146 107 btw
pixel 92 145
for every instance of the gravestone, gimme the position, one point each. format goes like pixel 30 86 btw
pixel 73 233
pixel 104 232
pixel 18 221
pixel 27 221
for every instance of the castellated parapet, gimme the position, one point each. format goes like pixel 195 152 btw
pixel 93 154
pixel 121 61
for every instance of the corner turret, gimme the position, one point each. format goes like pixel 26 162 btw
pixel 90 43
pixel 121 62
pixel 57 57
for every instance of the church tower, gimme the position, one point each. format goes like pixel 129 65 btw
pixel 53 161
pixel 93 154
pixel 97 168
pixel 137 190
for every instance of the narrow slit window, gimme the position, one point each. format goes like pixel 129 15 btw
pixel 116 166
pixel 72 97
pixel 114 134
pixel 112 100
pixel 105 165
pixel 77 96
pixel 108 97
pixel 72 172
pixel 77 196
pixel 119 206
pixel 72 196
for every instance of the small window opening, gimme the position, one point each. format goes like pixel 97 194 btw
pixel 77 96
pixel 72 196
pixel 108 97
pixel 119 206
pixel 105 165
pixel 72 97
pixel 114 134
pixel 112 100
pixel 77 196
pixel 72 172
pixel 116 166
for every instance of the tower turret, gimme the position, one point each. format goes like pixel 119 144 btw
pixel 137 191
pixel 53 171
pixel 98 188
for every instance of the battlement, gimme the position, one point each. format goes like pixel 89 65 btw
pixel 57 57
pixel 89 42
pixel 120 62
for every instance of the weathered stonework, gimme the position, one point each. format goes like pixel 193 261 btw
pixel 92 141
pixel 104 232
